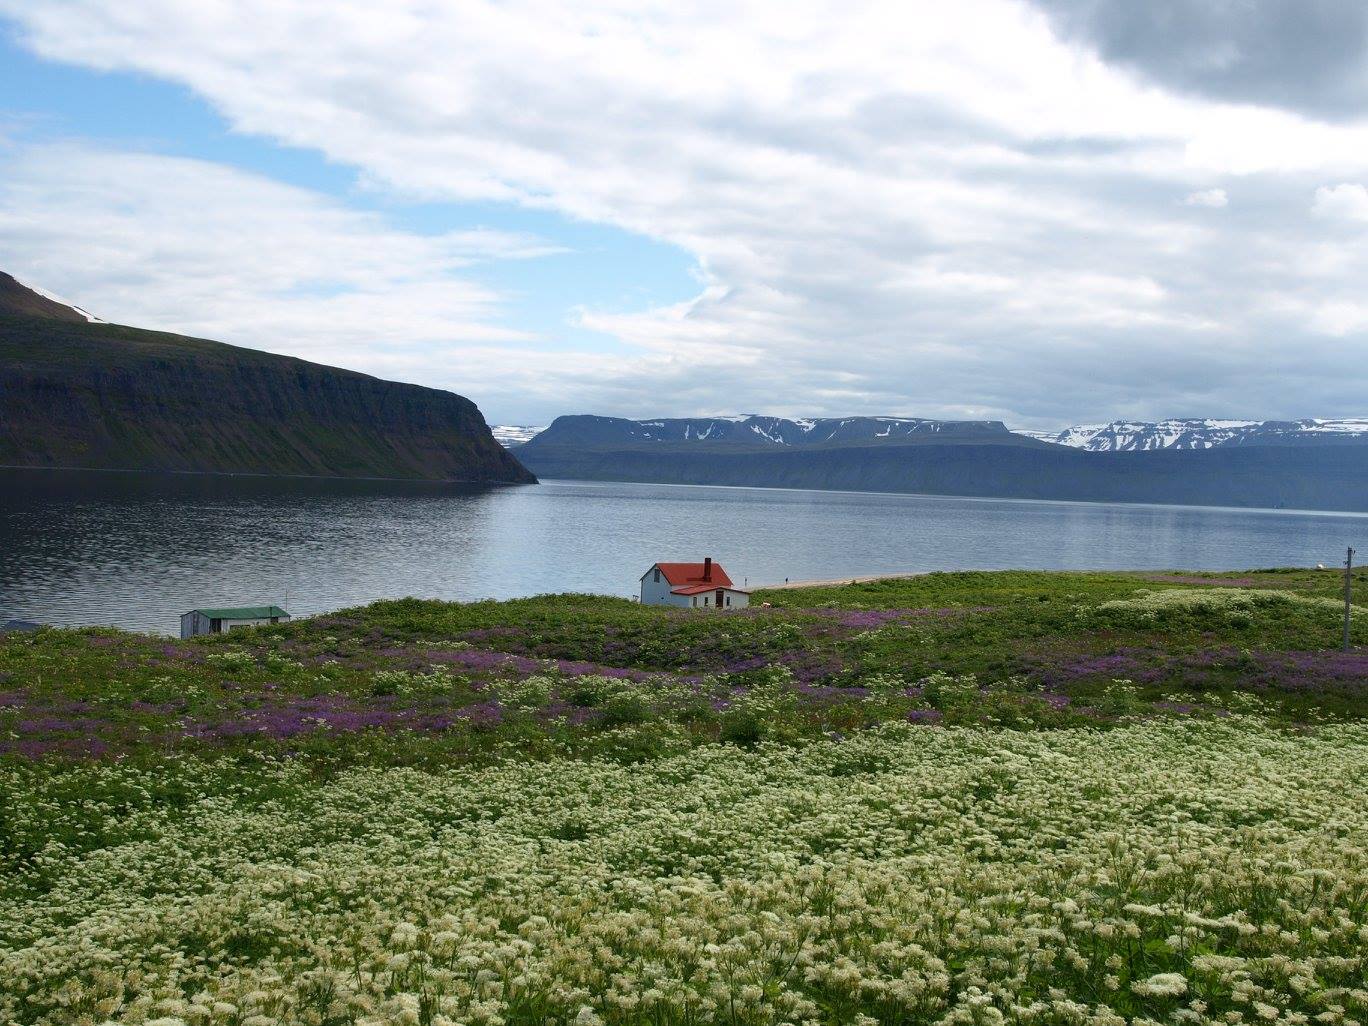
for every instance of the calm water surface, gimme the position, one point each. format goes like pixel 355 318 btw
pixel 136 550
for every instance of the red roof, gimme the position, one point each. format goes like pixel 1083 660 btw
pixel 681 574
pixel 700 589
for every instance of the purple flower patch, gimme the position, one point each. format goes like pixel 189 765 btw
pixel 1344 673
pixel 865 619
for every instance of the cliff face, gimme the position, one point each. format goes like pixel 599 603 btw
pixel 76 394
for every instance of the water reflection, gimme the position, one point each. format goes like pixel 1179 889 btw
pixel 137 549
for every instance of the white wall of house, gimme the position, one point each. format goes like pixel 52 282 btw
pixel 731 599
pixel 655 590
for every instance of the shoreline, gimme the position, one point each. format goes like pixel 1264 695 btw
pixel 1143 573
pixel 837 582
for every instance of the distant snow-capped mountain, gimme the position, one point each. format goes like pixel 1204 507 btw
pixel 515 434
pixel 1303 465
pixel 1132 436
pixel 752 430
pixel 755 430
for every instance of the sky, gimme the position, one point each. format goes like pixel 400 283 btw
pixel 1045 212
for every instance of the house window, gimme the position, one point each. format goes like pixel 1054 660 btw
pixel 728 600
pixel 657 575
pixel 705 600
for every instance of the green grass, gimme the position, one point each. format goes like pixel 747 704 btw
pixel 955 799
pixel 1016 633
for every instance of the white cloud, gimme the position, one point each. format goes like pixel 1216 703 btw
pixel 201 249
pixel 1207 198
pixel 1340 317
pixel 1347 201
pixel 925 207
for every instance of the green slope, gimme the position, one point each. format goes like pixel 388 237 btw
pixel 111 397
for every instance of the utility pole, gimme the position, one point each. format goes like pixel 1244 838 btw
pixel 1348 593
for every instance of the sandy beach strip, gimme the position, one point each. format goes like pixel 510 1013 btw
pixel 838 581
pixel 1209 577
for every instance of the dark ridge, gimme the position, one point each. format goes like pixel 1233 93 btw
pixel 104 396
pixel 765 434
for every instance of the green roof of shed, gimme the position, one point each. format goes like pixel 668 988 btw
pixel 242 612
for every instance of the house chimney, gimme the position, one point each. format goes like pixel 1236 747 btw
pixel 707 568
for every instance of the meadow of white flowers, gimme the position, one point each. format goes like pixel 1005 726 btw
pixel 1170 871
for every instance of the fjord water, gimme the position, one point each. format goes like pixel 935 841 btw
pixel 136 550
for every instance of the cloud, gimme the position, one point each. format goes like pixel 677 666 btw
pixel 1309 56
pixel 945 210
pixel 1207 198
pixel 1347 201
pixel 207 250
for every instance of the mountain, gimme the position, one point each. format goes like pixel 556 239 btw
pixel 76 392
pixel 947 458
pixel 765 433
pixel 1130 436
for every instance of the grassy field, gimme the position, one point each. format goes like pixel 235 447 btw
pixel 960 798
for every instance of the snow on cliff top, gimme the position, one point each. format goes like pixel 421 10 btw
pixel 58 299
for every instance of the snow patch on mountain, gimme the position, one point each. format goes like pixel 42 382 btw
pixel 514 434
pixel 1204 433
pixel 58 299
pixel 1348 426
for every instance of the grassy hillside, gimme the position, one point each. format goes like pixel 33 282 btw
pixel 961 798
pixel 111 397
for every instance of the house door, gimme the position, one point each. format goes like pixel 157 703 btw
pixel 719 598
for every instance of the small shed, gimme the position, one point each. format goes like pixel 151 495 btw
pixel 216 621
pixel 702 585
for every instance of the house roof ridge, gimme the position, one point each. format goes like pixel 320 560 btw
pixel 679 574
pixel 237 612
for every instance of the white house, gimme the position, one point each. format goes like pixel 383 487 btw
pixel 216 621
pixel 702 585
